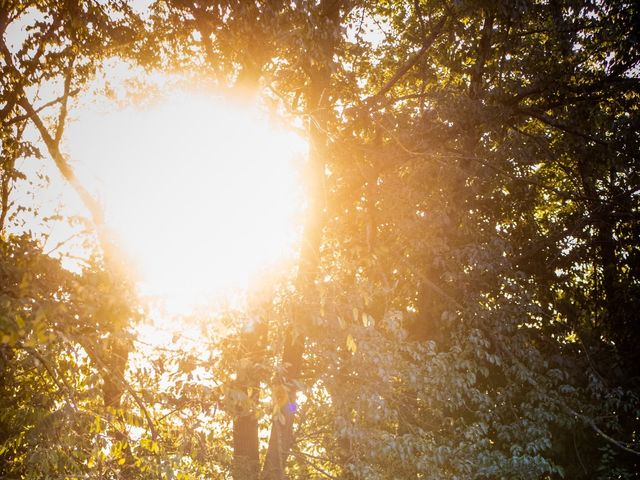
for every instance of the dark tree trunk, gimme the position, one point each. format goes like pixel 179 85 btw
pixel 246 445
pixel 281 438
pixel 246 460
pixel 282 433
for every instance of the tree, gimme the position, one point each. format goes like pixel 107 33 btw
pixel 59 49
pixel 464 299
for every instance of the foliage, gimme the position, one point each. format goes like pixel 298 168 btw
pixel 464 304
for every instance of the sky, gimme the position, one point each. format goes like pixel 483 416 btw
pixel 202 194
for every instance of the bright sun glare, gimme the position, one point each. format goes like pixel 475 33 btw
pixel 203 194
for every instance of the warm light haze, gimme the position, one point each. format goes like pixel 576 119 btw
pixel 319 240
pixel 203 195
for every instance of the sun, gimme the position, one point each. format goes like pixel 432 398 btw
pixel 203 194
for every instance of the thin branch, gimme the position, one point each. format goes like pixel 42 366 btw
pixel 562 404
pixel 439 157
pixel 20 118
pixel 105 370
pixel 302 456
pixel 528 181
pixel 5 190
pixel 429 283
pixel 62 115
pixel 67 172
pixel 573 131
pixel 423 28
pixel 484 45
pixel 18 89
pixel 554 238
pixel 599 431
pixel 62 243
pixel 409 64
pixel 51 371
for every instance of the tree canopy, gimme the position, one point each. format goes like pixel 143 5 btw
pixel 467 282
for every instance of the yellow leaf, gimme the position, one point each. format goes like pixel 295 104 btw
pixel 351 344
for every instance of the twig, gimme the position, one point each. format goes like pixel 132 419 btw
pixel 408 64
pixel 302 456
pixel 95 357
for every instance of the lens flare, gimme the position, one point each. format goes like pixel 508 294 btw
pixel 203 194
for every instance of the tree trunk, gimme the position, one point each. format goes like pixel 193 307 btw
pixel 246 445
pixel 246 460
pixel 282 438
pixel 246 442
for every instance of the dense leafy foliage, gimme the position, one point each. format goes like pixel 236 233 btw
pixel 465 301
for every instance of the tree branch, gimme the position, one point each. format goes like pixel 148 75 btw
pixel 62 115
pixel 67 172
pixel 408 65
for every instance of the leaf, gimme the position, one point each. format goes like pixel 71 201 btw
pixel 351 344
pixel 97 424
